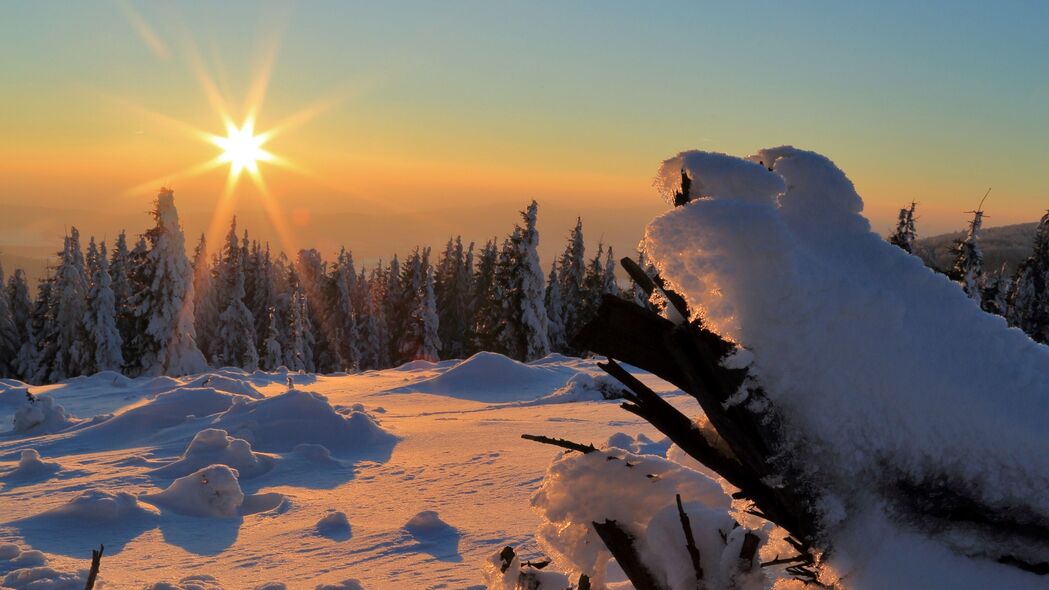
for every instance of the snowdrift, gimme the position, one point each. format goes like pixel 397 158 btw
pixel 492 377
pixel 282 422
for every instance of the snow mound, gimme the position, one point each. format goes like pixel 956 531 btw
pixel 416 365
pixel 13 557
pixel 213 446
pixel 282 422
pixel 334 523
pixel 221 382
pixel 41 416
pixel 492 377
pixel 195 582
pixel 209 492
pixel 30 465
pixel 583 388
pixel 638 444
pixel 43 578
pixel 165 411
pixel 885 369
pixel 428 525
pixel 101 507
pixel 351 584
pixel 580 489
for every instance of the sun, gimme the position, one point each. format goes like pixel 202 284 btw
pixel 242 148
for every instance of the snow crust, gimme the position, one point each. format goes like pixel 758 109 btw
pixel 885 368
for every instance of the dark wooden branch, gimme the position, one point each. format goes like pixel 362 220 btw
pixel 690 542
pixel 584 582
pixel 96 562
pixel 621 544
pixel 560 442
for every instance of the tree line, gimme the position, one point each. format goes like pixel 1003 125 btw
pixel 1022 297
pixel 147 308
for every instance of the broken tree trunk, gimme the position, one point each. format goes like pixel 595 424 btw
pixel 759 461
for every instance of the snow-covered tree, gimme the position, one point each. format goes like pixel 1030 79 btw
pixel 319 290
pixel 424 326
pixel 273 356
pixel 529 280
pixel 995 292
pixel 636 292
pixel 21 303
pixel 205 305
pixel 120 271
pixel 452 283
pixel 100 320
pixel 9 333
pixel 1028 307
pixel 610 285
pixel 593 287
pixel 555 324
pixel 480 298
pixel 375 344
pixel 968 261
pixel 343 314
pixel 298 353
pixel 163 303
pixel 905 234
pixel 37 354
pixel 70 290
pixel 235 342
pixel 571 272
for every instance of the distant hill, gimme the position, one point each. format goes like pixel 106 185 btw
pixel 1009 244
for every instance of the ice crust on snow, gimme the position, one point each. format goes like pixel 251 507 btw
pixel 885 368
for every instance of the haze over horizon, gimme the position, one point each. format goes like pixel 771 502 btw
pixel 394 130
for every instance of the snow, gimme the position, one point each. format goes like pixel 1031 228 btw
pixel 583 387
pixel 214 446
pixel 333 444
pixel 491 377
pixel 875 360
pixel 30 465
pixel 212 491
pixel 41 416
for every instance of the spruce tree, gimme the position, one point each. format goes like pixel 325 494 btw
pixel 72 355
pixel 452 285
pixel 905 234
pixel 344 314
pixel 528 279
pixel 995 295
pixel 273 357
pixel 555 324
pixel 480 299
pixel 594 285
pixel 968 261
pixel 610 285
pixel 235 341
pixel 205 304
pixel 21 303
pixel 298 354
pixel 571 273
pixel 163 303
pixel 1028 307
pixel 101 320
pixel 36 357
pixel 319 289
pixel 9 333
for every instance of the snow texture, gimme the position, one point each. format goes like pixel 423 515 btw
pixel 41 416
pixel 213 491
pixel 873 359
pixel 213 446
pixel 491 377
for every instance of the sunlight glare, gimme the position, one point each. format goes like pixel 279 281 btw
pixel 242 149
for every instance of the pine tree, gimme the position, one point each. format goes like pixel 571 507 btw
pixel 1028 307
pixel 425 323
pixel 319 291
pixel 555 325
pixel 374 335
pixel 163 303
pixel 571 273
pixel 968 261
pixel 37 354
pixel 9 333
pixel 995 295
pixel 905 234
pixel 101 320
pixel 529 281
pixel 452 285
pixel 394 308
pixel 120 270
pixel 235 341
pixel 593 287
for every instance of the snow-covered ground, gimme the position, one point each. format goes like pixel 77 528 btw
pixel 404 478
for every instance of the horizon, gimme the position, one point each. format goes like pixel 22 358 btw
pixel 385 113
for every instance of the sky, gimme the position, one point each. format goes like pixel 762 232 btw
pixel 401 123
